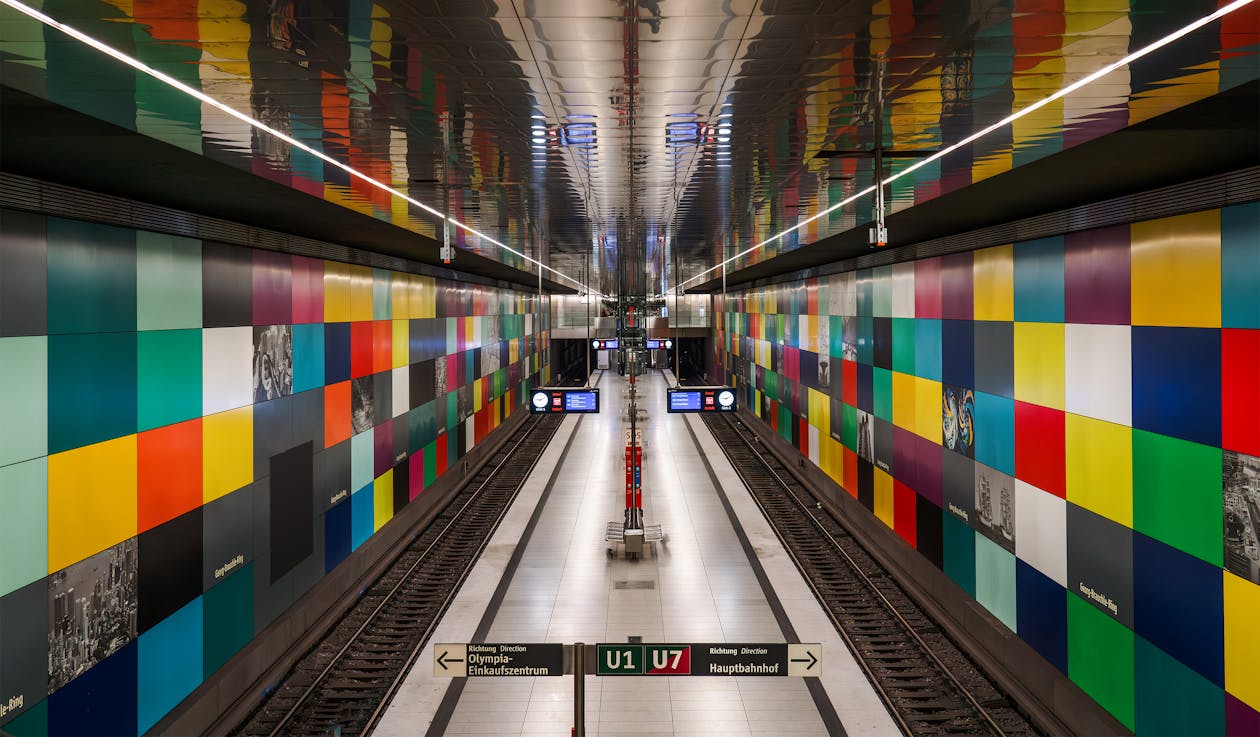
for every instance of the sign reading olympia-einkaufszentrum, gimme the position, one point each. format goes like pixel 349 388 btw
pixel 458 660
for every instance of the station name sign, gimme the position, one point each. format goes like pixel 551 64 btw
pixel 547 400
pixel 701 399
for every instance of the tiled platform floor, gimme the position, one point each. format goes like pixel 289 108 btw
pixel 696 587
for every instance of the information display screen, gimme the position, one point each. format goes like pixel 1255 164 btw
pixel 585 401
pixel 655 343
pixel 701 399
pixel 684 401
pixel 546 400
pixel 609 344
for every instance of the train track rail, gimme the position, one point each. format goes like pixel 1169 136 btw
pixel 344 683
pixel 929 685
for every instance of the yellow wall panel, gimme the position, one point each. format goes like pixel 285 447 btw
pixel 401 343
pixel 91 500
pixel 382 499
pixel 336 292
pixel 1176 270
pixel 836 469
pixel 360 293
pixel 927 409
pixel 1242 639
pixel 476 392
pixel 821 418
pixel 904 407
pixel 993 277
pixel 227 446
pixel 884 496
pixel 1039 363
pixel 427 297
pixel 1099 459
pixel 400 296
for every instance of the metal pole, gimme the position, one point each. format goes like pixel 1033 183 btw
pixel 538 319
pixel 722 322
pixel 674 320
pixel 587 272
pixel 579 690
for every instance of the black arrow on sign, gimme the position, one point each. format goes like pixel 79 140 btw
pixel 812 660
pixel 443 660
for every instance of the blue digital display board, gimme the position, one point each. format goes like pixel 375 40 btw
pixel 546 400
pixel 654 343
pixel 585 401
pixel 701 399
pixel 604 345
pixel 684 400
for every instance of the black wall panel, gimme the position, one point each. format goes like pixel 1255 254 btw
pixel 927 530
pixel 227 296
pixel 421 378
pixel 292 538
pixel 170 560
pixel 402 490
pixel 23 274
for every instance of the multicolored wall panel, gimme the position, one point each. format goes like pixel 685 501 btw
pixel 194 433
pixel 1068 427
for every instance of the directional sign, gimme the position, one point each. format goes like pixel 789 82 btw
pixel 803 659
pixel 450 660
pixel 712 659
pixel 498 659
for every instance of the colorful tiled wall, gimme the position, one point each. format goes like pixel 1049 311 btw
pixel 192 434
pixel 1068 427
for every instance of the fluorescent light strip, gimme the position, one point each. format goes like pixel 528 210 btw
pixel 1108 69
pixel 203 97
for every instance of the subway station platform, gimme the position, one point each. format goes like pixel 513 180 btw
pixel 703 584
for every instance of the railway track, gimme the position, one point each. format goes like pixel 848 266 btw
pixel 929 685
pixel 342 686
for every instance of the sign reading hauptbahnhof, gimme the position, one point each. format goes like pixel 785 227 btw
pixel 724 659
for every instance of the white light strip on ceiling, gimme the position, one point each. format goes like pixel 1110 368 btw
pixel 1104 71
pixel 108 50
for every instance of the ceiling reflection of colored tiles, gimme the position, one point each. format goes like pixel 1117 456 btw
pixel 632 133
pixel 339 85
pixel 936 99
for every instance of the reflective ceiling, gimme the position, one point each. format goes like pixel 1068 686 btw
pixel 644 140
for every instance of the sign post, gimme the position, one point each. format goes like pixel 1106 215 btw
pixel 463 660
